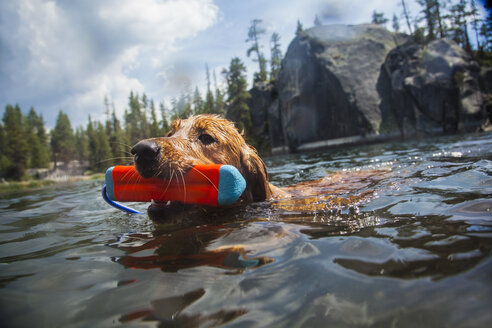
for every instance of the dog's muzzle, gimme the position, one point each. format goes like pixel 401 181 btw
pixel 146 154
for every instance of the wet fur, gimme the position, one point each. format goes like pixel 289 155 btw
pixel 183 147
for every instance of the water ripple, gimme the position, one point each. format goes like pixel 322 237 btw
pixel 395 250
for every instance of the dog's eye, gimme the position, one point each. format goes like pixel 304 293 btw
pixel 206 139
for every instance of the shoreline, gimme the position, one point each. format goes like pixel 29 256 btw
pixel 13 186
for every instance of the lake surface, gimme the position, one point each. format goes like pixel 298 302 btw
pixel 410 248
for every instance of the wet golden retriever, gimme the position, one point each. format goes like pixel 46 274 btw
pixel 204 139
pixel 211 139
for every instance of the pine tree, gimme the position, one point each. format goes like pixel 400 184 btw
pixel 254 33
pixel 131 124
pixel 219 105
pixel 432 16
pixel 406 14
pixel 35 134
pixel 103 151
pixel 117 140
pixel 154 123
pixel 144 121
pixel 378 18
pixel 486 31
pixel 174 109
pixel 182 106
pixel 238 95
pixel 145 101
pixel 299 28
pixel 198 105
pixel 43 141
pixel 92 144
pixel 81 145
pixel 16 148
pixel 276 56
pixel 100 155
pixel 4 161
pixel 135 119
pixel 418 34
pixel 208 105
pixel 164 118
pixel 109 125
pixel 396 23
pixel 429 18
pixel 440 23
pixel 476 23
pixel 31 139
pixel 459 25
pixel 317 21
pixel 62 140
pixel 106 105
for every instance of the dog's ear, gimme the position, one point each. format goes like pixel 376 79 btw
pixel 256 176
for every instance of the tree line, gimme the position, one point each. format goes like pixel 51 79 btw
pixel 451 19
pixel 25 143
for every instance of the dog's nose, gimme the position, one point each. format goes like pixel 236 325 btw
pixel 145 150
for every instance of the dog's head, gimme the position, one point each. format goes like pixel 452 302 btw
pixel 202 139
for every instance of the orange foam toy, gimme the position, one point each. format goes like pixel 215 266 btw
pixel 213 185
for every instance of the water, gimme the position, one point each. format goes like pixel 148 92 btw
pixel 411 247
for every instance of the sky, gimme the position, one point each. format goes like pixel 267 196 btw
pixel 69 54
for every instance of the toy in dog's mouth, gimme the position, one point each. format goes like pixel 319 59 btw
pixel 209 185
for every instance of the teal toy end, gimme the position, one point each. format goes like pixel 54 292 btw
pixel 109 183
pixel 231 185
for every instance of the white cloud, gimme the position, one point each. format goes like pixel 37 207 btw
pixel 150 21
pixel 68 55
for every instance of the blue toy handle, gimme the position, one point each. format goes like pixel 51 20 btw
pixel 118 205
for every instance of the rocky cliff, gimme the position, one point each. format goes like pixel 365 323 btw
pixel 327 84
pixel 341 84
pixel 430 89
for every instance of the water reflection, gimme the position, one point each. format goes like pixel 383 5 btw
pixel 168 311
pixel 185 248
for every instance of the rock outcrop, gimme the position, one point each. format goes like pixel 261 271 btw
pixel 431 89
pixel 342 83
pixel 327 84
pixel 261 98
pixel 486 84
pixel 265 119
